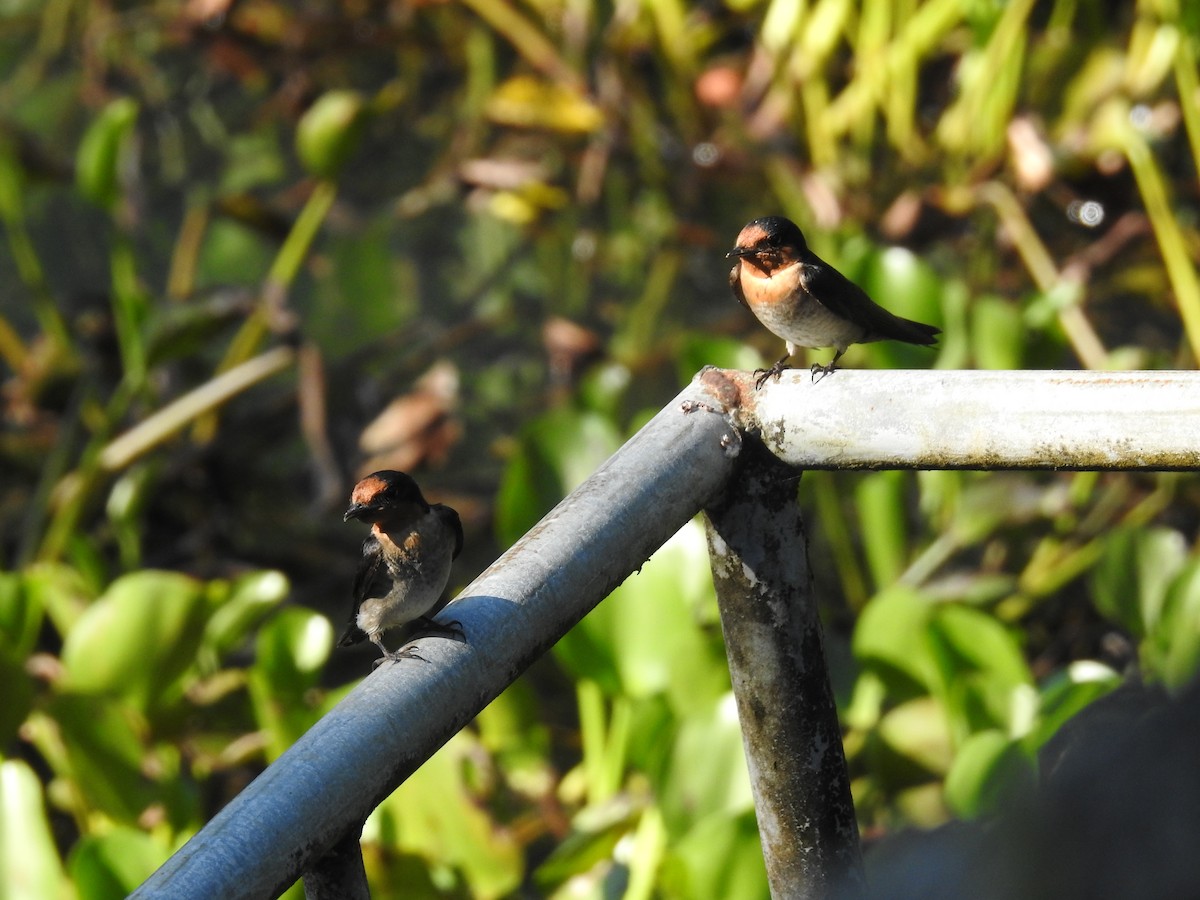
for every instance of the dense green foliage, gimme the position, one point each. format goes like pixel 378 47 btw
pixel 236 233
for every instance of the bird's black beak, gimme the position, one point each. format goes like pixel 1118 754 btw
pixel 356 511
pixel 740 252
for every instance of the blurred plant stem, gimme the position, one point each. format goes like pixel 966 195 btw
pixel 106 459
pixel 1067 292
pixel 29 266
pixel 1115 129
pixel 604 746
pixel 270 311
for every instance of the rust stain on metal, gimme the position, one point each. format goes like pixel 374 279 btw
pixel 727 386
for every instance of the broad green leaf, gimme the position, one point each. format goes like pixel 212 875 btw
pixel 987 768
pixel 1175 637
pixel 291 649
pixel 881 501
pixel 240 606
pixel 997 333
pixel 557 451
pixel 700 350
pixel 437 814
pixel 648 634
pixel 98 748
pixel 29 861
pixel 719 856
pixel 918 732
pixel 708 773
pixel 1067 692
pixel 115 863
pixel 891 637
pixel 138 638
pixel 1130 582
pixel 967 640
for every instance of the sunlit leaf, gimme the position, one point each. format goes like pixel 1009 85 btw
pixel 114 864
pixel 28 855
pixel 290 651
pixel 646 637
pixel 708 774
pixel 240 607
pixel 437 815
pixel 138 638
pixel 1067 692
pixel 891 636
pixel 528 102
pixel 1176 635
pixel 103 744
pixel 918 732
pixel 720 856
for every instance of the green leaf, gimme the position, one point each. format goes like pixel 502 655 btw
pixel 20 617
pixel 437 815
pixel 240 606
pixel 329 132
pixel 997 333
pixel 1130 582
pixel 882 504
pixel 987 768
pixel 1175 639
pixel 700 350
pixel 708 770
pixel 28 854
pixel 115 863
pixel 292 649
pixel 98 161
pixel 100 755
pixel 891 638
pixel 917 731
pixel 557 451
pixel 905 284
pixel 720 856
pixel 647 637
pixel 138 638
pixel 1067 692
pixel 981 671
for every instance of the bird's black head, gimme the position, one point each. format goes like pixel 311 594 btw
pixel 770 242
pixel 383 494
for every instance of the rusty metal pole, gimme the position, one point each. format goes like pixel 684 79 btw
pixel 759 555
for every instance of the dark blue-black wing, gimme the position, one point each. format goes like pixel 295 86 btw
pixel 369 581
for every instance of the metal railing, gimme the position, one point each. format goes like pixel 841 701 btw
pixel 733 452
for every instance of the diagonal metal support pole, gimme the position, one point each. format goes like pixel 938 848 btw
pixel 759 555
pixel 330 780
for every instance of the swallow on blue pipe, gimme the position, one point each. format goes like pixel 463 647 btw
pixel 405 561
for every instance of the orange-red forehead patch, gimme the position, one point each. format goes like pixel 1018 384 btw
pixel 751 235
pixel 366 490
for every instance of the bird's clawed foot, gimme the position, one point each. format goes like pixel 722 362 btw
pixel 422 627
pixel 761 376
pixel 407 652
pixel 820 371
